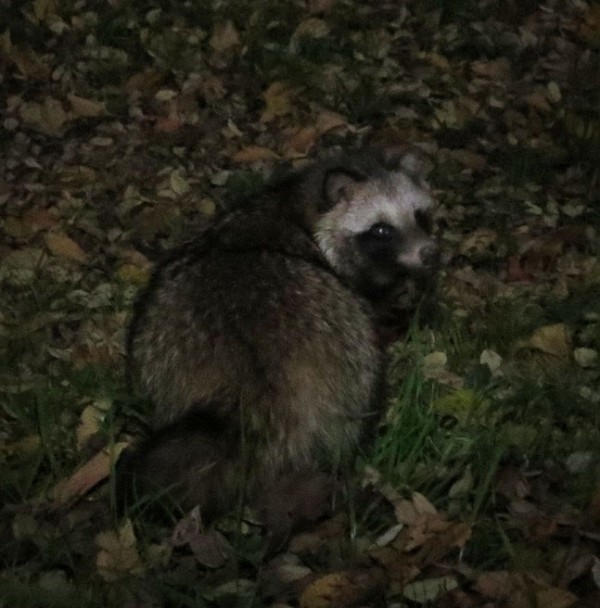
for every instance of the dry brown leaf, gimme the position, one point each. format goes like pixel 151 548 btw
pixel 211 549
pixel 328 121
pixel 87 476
pixel 478 241
pixel 496 584
pixel 39 219
pixel 63 246
pixel 168 124
pixel 86 107
pixel 48 116
pixel 538 101
pixel 311 28
pixel 224 38
pixel 301 141
pixel 30 64
pixel 343 589
pixel 253 154
pixel 145 81
pixel 278 100
pixel 554 597
pixel 469 159
pixel 498 69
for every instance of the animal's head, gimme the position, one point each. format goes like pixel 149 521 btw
pixel 375 224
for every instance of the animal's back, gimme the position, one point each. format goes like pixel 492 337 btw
pixel 260 347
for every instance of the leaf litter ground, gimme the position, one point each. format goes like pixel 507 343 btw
pixel 126 128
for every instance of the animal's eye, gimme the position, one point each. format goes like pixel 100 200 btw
pixel 382 231
pixel 423 220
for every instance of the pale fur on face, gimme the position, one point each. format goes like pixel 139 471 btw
pixel 393 200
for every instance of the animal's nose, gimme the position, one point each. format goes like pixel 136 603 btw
pixel 430 255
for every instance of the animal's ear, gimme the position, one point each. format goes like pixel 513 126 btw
pixel 409 159
pixel 338 185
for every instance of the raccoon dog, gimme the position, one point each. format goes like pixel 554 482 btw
pixel 256 341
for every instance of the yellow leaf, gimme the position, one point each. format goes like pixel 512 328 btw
pixel 64 247
pixel 91 420
pixel 463 404
pixel 118 555
pixel 132 273
pixel 586 357
pixel 552 340
pixel 178 183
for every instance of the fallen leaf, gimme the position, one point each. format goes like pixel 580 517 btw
pixel 225 38
pixel 87 476
pixel 86 107
pixel 469 159
pixel 211 549
pixel 132 273
pixel 463 404
pixel 427 590
pixel 554 597
pixel 301 141
pixel 118 556
pixel 497 69
pixel 479 241
pixel 30 64
pixel 145 81
pixel 434 364
pixel 494 585
pixel 492 360
pixel 343 589
pixel 179 185
pixel 586 357
pixel 252 154
pixel 168 124
pixel 311 28
pixel 65 247
pixel 328 121
pixel 278 100
pixel 551 340
pixel 91 419
pixel 39 219
pixel 48 116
